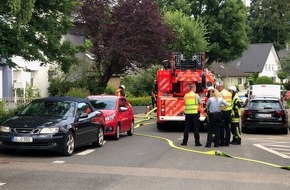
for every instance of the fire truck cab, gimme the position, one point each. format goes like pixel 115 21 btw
pixel 173 83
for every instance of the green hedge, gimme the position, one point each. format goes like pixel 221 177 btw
pixel 4 115
pixel 140 101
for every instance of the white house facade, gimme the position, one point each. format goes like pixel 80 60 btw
pixel 30 73
pixel 271 66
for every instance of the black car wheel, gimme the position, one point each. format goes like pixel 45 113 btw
pixel 100 139
pixel 117 134
pixel 131 130
pixel 69 144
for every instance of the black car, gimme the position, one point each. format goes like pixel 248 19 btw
pixel 265 112
pixel 54 123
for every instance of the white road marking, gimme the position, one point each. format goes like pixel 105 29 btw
pixel 284 149
pixel 1 184
pixel 58 162
pixel 85 152
pixel 279 145
pixel 272 151
pixel 286 153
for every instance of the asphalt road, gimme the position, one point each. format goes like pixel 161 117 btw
pixel 153 159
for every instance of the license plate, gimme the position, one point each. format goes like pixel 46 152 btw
pixel 22 139
pixel 263 115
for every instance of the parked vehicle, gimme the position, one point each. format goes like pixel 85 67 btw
pixel 173 83
pixel 118 113
pixel 266 90
pixel 265 112
pixel 242 97
pixel 54 123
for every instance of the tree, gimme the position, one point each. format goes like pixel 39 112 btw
pixel 34 29
pixel 190 33
pixel 282 75
pixel 269 22
pixel 16 12
pixel 253 78
pixel 225 21
pixel 129 31
pixel 285 64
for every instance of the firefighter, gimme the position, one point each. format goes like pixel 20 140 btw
pixel 236 115
pixel 214 104
pixel 225 134
pixel 192 103
pixel 120 91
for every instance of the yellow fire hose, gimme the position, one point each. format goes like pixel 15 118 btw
pixel 212 152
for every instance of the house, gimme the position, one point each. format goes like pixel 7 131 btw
pixel 259 58
pixel 31 73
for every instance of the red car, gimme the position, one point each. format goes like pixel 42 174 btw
pixel 118 113
pixel 287 95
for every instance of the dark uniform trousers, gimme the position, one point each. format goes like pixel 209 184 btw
pixel 191 120
pixel 225 128
pixel 215 120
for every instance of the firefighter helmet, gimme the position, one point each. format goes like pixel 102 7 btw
pixel 233 88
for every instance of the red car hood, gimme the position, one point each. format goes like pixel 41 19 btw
pixel 108 112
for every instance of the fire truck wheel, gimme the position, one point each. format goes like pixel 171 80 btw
pixel 160 126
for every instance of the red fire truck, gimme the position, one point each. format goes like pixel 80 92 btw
pixel 173 83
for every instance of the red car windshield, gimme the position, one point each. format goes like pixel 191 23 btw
pixel 104 103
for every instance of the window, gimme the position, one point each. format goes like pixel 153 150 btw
pixel 32 76
pixel 31 81
pixel 240 81
pixel 262 104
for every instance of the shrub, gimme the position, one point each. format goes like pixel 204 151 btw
pixel 140 101
pixel 264 80
pixel 110 90
pixel 10 113
pixel 77 92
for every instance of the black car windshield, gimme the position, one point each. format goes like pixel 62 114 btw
pixel 104 103
pixel 50 108
pixel 264 104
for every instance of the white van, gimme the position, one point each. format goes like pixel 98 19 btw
pixel 266 90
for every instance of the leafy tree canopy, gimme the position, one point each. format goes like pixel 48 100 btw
pixel 191 33
pixel 130 31
pixel 225 22
pixel 282 75
pixel 34 29
pixel 269 22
